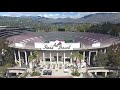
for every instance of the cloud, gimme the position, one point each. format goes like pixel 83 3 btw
pixel 5 15
pixel 50 15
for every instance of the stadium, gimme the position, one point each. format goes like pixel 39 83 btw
pixel 56 47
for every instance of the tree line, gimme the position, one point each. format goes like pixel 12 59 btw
pixel 104 28
pixel 109 59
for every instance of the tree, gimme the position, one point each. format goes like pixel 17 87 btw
pixel 5 51
pixel 9 56
pixel 77 57
pixel 101 60
pixel 114 55
pixel 30 58
pixel 109 59
pixel 35 56
pixel 83 27
pixel 105 28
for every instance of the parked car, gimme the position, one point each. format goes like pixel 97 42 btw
pixel 66 71
pixel 45 72
pixel 49 72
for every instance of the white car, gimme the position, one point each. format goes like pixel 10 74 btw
pixel 66 70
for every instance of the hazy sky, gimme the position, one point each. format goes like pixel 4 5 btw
pixel 50 14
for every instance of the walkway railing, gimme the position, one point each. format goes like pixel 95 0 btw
pixel 107 68
pixel 91 68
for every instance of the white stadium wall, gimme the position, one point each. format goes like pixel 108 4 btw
pixel 19 45
pixel 98 44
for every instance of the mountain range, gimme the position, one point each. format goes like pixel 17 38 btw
pixel 92 18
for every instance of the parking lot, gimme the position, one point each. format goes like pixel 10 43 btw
pixel 65 71
pixel 47 72
pixel 55 72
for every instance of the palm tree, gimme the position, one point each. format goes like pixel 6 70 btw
pixel 77 56
pixel 35 56
pixel 30 58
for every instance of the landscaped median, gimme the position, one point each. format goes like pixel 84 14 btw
pixel 75 74
pixel 35 74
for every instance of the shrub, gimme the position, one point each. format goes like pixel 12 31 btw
pixel 35 74
pixel 75 73
pixel 3 71
pixel 33 69
pixel 9 65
